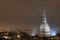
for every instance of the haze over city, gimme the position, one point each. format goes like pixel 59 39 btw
pixel 23 14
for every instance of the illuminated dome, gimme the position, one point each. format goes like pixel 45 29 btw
pixel 44 27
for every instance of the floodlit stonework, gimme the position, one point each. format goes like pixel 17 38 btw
pixel 44 27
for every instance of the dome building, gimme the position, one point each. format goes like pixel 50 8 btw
pixel 44 27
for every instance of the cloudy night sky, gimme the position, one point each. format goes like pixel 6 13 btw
pixel 23 14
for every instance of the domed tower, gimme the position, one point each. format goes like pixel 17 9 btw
pixel 44 27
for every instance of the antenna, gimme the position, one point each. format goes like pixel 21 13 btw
pixel 44 16
pixel 44 12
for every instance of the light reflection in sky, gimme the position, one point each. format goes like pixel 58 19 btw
pixel 53 33
pixel 33 34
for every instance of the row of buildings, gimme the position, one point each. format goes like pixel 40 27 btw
pixel 25 35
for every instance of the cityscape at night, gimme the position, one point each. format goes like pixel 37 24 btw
pixel 29 19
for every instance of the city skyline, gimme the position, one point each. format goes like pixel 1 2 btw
pixel 23 14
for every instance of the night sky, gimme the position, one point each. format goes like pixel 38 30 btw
pixel 23 14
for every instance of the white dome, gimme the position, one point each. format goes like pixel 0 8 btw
pixel 44 28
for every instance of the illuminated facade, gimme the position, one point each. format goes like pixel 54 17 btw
pixel 44 27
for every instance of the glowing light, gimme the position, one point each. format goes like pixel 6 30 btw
pixel 5 37
pixel 18 36
pixel 33 34
pixel 53 33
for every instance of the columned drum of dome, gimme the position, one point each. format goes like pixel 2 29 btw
pixel 44 27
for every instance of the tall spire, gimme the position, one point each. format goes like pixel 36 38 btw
pixel 44 16
pixel 44 13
